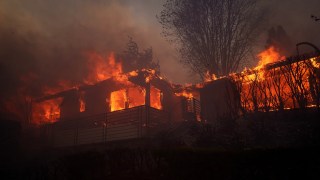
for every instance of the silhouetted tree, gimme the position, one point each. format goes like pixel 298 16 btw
pixel 315 18
pixel 133 59
pixel 211 35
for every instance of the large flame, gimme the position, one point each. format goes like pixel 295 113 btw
pixel 285 87
pixel 118 100
pixel 267 56
pixel 101 68
pixel 127 98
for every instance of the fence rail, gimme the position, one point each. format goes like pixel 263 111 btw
pixel 137 122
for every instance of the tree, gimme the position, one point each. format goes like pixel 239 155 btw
pixel 211 35
pixel 133 59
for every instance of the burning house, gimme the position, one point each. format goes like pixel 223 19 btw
pixel 124 106
pixel 112 105
pixel 274 85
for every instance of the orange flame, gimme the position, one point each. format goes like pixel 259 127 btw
pixel 185 94
pixel 118 100
pixel 209 77
pixel 155 98
pixel 47 111
pixel 267 56
pixel 82 102
pixel 101 68
pixel 127 98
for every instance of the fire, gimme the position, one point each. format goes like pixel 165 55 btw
pixel 267 56
pixel 210 77
pixel 185 94
pixel 315 62
pixel 102 68
pixel 60 86
pixel 127 98
pixel 291 85
pixel 136 96
pixel 47 111
pixel 118 100
pixel 155 98
pixel 150 74
pixel 82 102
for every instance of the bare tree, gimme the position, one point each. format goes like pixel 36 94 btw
pixel 211 35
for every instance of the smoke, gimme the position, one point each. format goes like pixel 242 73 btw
pixel 278 38
pixel 294 17
pixel 43 42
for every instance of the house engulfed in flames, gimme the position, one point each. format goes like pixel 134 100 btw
pixel 122 106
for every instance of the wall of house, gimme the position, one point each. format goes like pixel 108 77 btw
pixel 170 102
pixel 219 100
pixel 70 106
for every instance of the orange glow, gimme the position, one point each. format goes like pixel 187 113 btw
pixel 47 111
pixel 82 102
pixel 185 94
pixel 267 56
pixel 315 62
pixel 149 75
pixel 102 68
pixel 136 96
pixel 127 98
pixel 284 87
pixel 155 98
pixel 118 100
pixel 209 77
pixel 60 86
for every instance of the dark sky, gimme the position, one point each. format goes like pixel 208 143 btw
pixel 48 37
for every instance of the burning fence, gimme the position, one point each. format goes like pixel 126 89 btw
pixel 286 84
pixel 276 84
